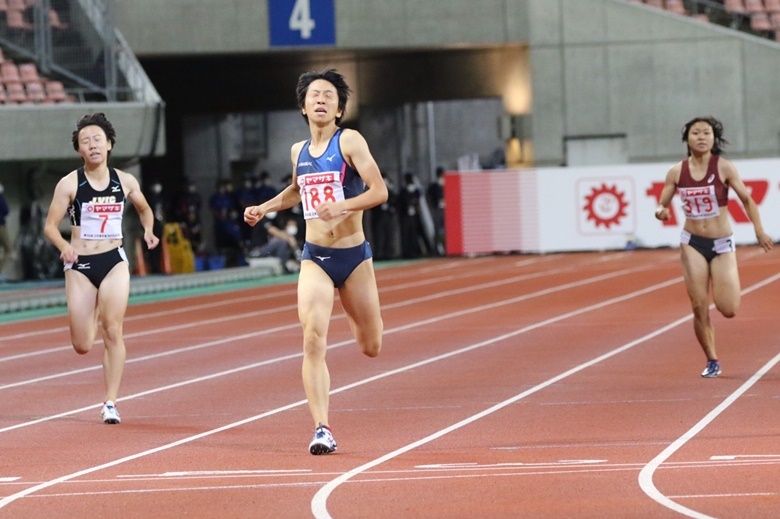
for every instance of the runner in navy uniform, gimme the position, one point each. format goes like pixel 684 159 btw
pixel 335 178
pixel 97 277
pixel 707 245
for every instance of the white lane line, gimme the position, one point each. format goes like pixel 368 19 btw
pixel 416 284
pixel 319 502
pixel 381 476
pixel 11 498
pixel 150 315
pixel 406 302
pixel 646 475
pixel 336 345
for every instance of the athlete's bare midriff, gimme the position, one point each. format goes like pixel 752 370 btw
pixel 338 233
pixel 715 227
pixel 88 247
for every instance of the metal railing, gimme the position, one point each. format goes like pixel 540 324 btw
pixel 86 51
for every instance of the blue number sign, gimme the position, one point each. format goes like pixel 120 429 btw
pixel 301 22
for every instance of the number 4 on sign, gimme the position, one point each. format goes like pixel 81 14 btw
pixel 301 20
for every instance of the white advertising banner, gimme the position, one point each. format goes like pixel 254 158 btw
pixel 590 208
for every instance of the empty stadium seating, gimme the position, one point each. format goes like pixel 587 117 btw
pixel 23 84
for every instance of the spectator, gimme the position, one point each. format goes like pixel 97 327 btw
pixel 264 189
pixel 282 241
pixel 245 196
pixel 5 242
pixel 383 224
pixel 435 196
pixel 409 211
pixel 223 208
pixel 159 204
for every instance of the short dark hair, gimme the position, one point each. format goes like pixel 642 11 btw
pixel 717 131
pixel 331 76
pixel 96 119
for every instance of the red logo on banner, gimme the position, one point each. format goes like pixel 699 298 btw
pixel 605 206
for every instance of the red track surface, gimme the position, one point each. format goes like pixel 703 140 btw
pixel 564 385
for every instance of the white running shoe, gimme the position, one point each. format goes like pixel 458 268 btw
pixel 109 413
pixel 712 370
pixel 323 442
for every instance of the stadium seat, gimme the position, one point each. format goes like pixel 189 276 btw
pixel 28 72
pixel 56 92
pixel 3 6
pixel 2 58
pixel 17 5
pixel 754 6
pixel 760 22
pixel 35 92
pixel 772 6
pixel 3 97
pixel 735 6
pixel 16 93
pixel 15 20
pixel 774 19
pixel 677 7
pixel 655 3
pixel 9 72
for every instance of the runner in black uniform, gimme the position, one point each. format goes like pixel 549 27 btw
pixel 97 277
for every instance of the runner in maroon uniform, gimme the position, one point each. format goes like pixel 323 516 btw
pixel 707 245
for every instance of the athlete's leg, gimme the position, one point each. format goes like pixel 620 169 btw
pixel 696 272
pixel 360 298
pixel 81 296
pixel 725 283
pixel 315 306
pixel 112 305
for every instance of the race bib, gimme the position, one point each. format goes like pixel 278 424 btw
pixel 101 220
pixel 316 188
pixel 699 202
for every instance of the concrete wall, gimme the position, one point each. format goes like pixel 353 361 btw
pixel 43 132
pixel 611 67
pixel 596 66
pixel 166 27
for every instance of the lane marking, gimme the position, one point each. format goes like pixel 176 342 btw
pixel 448 293
pixel 319 502
pixel 277 309
pixel 220 473
pixel 746 456
pixel 403 286
pixel 382 476
pixel 30 490
pixel 186 309
pixel 646 475
pixel 143 317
